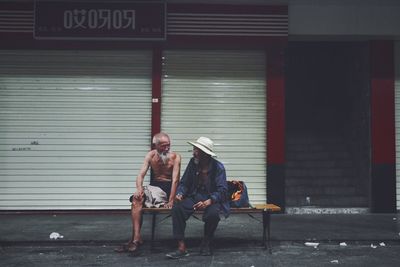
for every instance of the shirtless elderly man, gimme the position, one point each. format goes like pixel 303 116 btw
pixel 165 166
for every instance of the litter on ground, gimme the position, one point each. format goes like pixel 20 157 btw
pixel 311 244
pixel 55 235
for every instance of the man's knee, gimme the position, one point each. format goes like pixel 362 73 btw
pixel 137 204
pixel 211 215
pixel 212 218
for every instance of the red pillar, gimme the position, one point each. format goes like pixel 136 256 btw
pixel 275 125
pixel 156 92
pixel 383 155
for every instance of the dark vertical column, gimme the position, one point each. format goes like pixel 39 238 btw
pixel 156 92
pixel 383 184
pixel 275 126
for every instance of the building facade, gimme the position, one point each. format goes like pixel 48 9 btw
pixel 299 97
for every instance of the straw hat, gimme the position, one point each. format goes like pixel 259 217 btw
pixel 205 144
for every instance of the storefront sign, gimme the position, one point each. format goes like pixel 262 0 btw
pixel 101 20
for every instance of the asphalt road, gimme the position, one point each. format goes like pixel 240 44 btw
pixel 89 240
pixel 281 254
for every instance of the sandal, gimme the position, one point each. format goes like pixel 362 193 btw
pixel 129 247
pixel 121 249
pixel 177 254
pixel 133 247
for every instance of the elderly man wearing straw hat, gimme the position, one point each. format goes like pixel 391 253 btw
pixel 203 186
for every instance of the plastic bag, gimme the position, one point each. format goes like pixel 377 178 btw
pixel 238 196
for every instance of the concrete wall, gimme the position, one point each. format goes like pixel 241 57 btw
pixel 369 18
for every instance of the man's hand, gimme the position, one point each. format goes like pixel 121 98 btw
pixel 202 204
pixel 169 204
pixel 178 198
pixel 138 194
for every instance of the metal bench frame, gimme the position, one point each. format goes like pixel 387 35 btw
pixel 264 209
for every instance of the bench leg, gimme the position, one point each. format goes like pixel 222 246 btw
pixel 153 229
pixel 266 228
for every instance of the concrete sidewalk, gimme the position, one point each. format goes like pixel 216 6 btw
pixel 89 239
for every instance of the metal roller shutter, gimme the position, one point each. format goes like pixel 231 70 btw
pixel 397 116
pixel 74 127
pixel 221 95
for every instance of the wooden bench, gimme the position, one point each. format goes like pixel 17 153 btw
pixel 264 209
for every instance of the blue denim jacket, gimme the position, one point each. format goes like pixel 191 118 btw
pixel 217 185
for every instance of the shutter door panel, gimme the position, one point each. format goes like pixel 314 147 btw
pixel 221 95
pixel 74 127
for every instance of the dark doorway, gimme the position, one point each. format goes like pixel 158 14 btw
pixel 327 115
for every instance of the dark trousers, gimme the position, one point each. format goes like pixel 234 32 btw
pixel 182 210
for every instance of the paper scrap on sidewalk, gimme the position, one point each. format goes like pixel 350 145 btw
pixel 382 244
pixel 55 236
pixel 335 261
pixel 311 244
pixel 343 244
pixel 373 246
